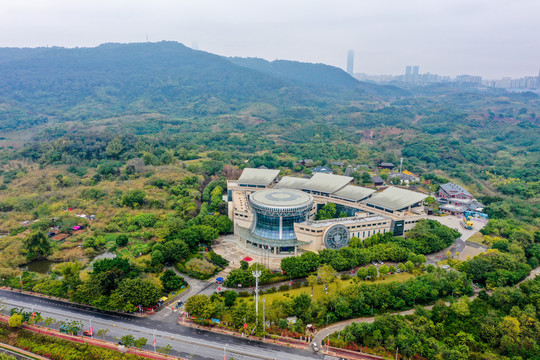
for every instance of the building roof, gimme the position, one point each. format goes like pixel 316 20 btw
pixel 355 193
pixel 337 163
pixel 403 176
pixel 453 188
pixel 327 183
pixel 245 233
pixel 258 177
pixel 343 221
pixel 281 198
pixel 453 208
pixel 377 180
pixel 291 182
pixel 322 169
pixel 394 198
pixel 386 164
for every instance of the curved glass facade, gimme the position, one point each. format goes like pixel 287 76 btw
pixel 277 227
pixel 275 222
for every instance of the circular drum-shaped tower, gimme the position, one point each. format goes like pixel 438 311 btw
pixel 276 211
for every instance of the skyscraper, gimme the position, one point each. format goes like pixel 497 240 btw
pixel 350 62
pixel 408 72
pixel 415 69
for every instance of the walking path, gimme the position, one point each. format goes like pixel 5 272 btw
pixel 327 331
pixel 19 353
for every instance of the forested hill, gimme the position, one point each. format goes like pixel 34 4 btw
pixel 165 77
pixel 317 75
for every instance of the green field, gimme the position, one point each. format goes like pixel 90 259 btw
pixel 318 290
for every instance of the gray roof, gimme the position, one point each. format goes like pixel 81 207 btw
pixel 452 188
pixel 343 221
pixel 322 169
pixel 327 183
pixel 377 179
pixel 281 197
pixel 403 176
pixel 291 182
pixel 393 198
pixel 355 193
pixel 252 176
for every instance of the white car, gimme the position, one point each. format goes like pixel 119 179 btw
pixel 446 266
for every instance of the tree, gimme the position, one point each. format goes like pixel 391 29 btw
pixel 383 270
pixel 157 258
pixel 133 199
pixel 244 265
pixel 102 333
pixel 128 340
pixel 362 273
pixel 366 178
pixel 139 292
pixel 37 245
pixel 372 272
pixel 409 266
pixel 301 305
pixel 327 274
pixel 122 240
pixel 175 251
pixel 230 297
pixel 199 306
pixel 140 342
pixel 171 281
pixel 401 267
pixel 15 320
pixel 165 349
pixel 115 147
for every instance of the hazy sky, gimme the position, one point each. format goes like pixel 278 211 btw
pixel 492 38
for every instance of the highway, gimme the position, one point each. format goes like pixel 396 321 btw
pixel 186 342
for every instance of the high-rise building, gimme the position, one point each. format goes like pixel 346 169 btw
pixel 350 62
pixel 415 69
pixel 408 72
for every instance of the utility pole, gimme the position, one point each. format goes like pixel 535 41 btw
pixel 264 319
pixel 256 274
pixel 225 352
pixel 397 352
pixel 154 340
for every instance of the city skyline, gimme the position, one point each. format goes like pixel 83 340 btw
pixel 492 39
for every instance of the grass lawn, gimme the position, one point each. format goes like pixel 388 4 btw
pixel 338 284
pixel 477 238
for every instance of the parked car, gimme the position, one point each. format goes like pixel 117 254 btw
pixel 398 271
pixel 88 333
pixel 446 266
pixel 374 262
pixel 381 262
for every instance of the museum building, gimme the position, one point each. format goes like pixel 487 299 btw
pixel 277 214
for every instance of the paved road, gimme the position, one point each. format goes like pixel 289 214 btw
pixel 187 342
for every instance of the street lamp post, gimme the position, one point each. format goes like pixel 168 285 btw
pixel 91 328
pixel 154 340
pixel 257 274
pixel 225 352
pixel 397 352
pixel 264 319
